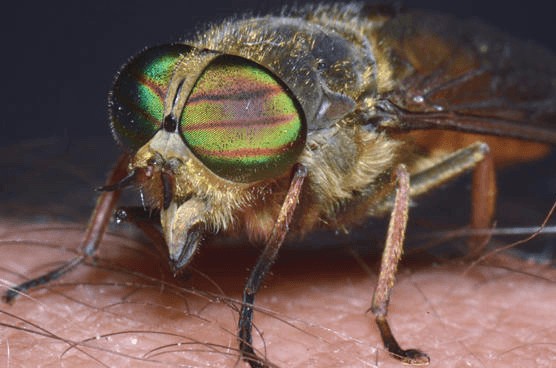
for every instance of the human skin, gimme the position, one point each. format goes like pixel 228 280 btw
pixel 126 309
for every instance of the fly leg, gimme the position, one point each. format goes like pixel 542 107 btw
pixel 483 203
pixel 483 195
pixel 476 156
pixel 390 257
pixel 266 259
pixel 95 230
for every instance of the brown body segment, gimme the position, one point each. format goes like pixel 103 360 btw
pixel 505 151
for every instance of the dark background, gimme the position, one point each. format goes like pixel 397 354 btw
pixel 58 61
pixel 59 58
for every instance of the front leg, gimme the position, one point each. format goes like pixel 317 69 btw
pixel 98 223
pixel 266 259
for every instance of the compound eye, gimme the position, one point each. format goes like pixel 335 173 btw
pixel 242 122
pixel 137 99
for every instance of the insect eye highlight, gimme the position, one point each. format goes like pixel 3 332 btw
pixel 137 99
pixel 242 122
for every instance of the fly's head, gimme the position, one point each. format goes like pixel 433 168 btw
pixel 207 132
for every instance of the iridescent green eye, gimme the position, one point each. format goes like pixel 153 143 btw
pixel 242 122
pixel 137 98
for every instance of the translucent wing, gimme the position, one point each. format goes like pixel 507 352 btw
pixel 465 76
